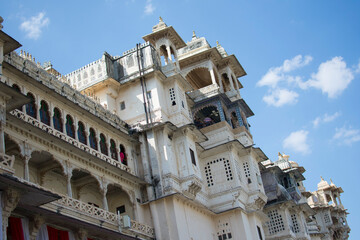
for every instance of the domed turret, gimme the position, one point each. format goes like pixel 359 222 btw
pixel 323 184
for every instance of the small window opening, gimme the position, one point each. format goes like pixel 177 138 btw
pixel 122 106
pixel 192 154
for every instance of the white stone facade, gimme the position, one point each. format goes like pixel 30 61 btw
pixel 153 144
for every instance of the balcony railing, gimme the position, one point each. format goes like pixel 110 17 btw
pixel 72 141
pixel 7 163
pixel 101 214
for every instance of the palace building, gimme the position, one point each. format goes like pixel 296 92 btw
pixel 152 144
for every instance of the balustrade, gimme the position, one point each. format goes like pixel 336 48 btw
pixel 96 212
pixel 7 162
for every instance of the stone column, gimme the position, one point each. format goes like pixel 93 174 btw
pixel 169 53
pixel 221 84
pixel 2 138
pixel 68 182
pixel 213 79
pixel 236 82
pixel 108 146
pixel 2 124
pixel 26 170
pixel 103 189
pixel 68 173
pixel 76 126
pixel 64 122
pixel 228 72
pixel 105 203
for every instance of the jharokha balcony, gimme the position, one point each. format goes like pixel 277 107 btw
pixel 74 208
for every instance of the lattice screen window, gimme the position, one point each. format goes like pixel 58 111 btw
pixel 224 231
pixel 276 223
pixel 228 171
pixel 222 174
pixel 246 169
pixel 172 96
pixel 208 174
pixel 295 223
pixel 327 218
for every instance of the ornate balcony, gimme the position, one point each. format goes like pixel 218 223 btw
pixel 7 163
pixel 77 209
pixel 70 140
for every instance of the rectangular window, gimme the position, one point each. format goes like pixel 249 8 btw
pixel 192 154
pixel 120 209
pixel 122 106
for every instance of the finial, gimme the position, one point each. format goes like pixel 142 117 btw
pixel 322 178
pixel 217 43
pixel 160 19
pixel 1 21
pixel 194 36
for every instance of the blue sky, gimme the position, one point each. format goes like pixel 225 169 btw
pixel 301 57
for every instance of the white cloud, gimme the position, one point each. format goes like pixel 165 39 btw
pixel 149 8
pixel 357 70
pixel 297 141
pixel 325 119
pixel 316 122
pixel 346 135
pixel 33 26
pixel 277 74
pixel 279 97
pixel 332 78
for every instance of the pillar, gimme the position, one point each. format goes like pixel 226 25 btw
pixel 236 82
pixel 68 186
pixel 103 189
pixel 169 53
pixel 228 72
pixel 213 79
pixel 26 170
pixel 2 138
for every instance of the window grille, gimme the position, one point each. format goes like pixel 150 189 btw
pixel 276 223
pixel 295 223
pixel 172 96
pixel 327 218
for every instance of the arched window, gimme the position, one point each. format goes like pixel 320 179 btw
pixel 31 107
pixel 69 125
pixel 113 151
pixel 44 113
pixel 103 145
pixel 17 88
pixel 57 121
pixel 92 139
pixel 81 133
pixel 123 157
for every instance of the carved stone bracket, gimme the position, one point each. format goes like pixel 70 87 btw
pixel 35 225
pixel 10 201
